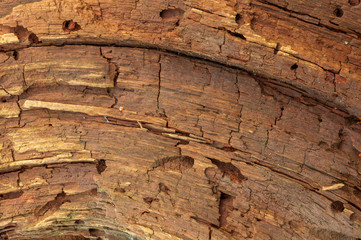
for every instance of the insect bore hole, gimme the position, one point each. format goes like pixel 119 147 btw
pixel 238 18
pixel 338 12
pixel 337 206
pixel 70 26
pixel 16 55
pixel 294 66
pixel 354 2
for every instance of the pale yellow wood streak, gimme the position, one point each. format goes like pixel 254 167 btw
pixel 93 111
pixel 8 38
pixel 333 187
pixel 61 158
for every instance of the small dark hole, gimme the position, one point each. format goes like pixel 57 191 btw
pixel 337 206
pixel 294 66
pixel 79 222
pixel 50 125
pixel 33 38
pixel 101 166
pixel 94 191
pixel 176 13
pixel 70 26
pixel 320 119
pixel 121 190
pixel 354 2
pixel 96 232
pixel 238 18
pixel 4 100
pixel 16 55
pixel 322 144
pixel 148 200
pixel 338 12
pixel 238 35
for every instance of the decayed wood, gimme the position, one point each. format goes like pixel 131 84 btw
pixel 307 44
pixel 137 120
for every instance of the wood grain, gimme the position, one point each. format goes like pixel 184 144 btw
pixel 180 120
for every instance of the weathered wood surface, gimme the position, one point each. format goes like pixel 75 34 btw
pixel 201 148
pixel 263 37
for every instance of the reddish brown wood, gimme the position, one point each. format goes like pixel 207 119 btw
pixel 180 119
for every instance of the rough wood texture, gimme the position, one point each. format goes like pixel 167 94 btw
pixel 180 119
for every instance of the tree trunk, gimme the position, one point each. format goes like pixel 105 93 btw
pixel 161 119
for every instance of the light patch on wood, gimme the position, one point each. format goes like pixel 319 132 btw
pixel 41 161
pixel 93 111
pixel 185 138
pixel 288 49
pixel 3 93
pixel 43 139
pixel 89 74
pixel 37 181
pixel 333 187
pixel 9 110
pixel 9 38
